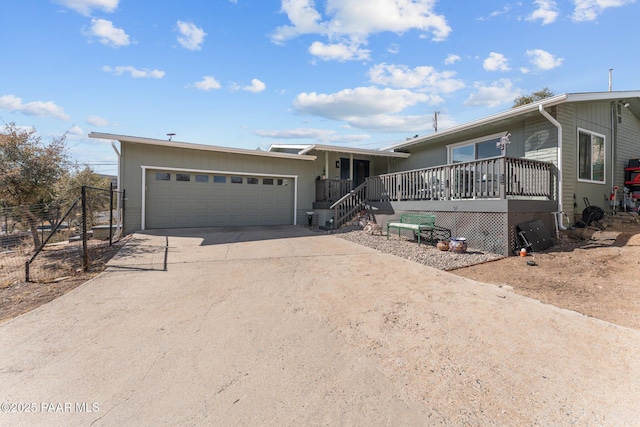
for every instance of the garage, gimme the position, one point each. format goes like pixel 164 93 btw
pixel 195 198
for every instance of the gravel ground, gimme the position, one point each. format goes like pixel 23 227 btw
pixel 407 248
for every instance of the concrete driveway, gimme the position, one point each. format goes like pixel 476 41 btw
pixel 280 326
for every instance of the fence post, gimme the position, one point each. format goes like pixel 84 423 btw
pixel 111 214
pixel 121 213
pixel 85 252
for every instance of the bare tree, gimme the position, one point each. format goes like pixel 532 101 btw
pixel 69 187
pixel 532 97
pixel 29 170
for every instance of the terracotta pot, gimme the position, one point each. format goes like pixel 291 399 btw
pixel 443 245
pixel 458 244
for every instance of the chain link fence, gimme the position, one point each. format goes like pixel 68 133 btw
pixel 49 242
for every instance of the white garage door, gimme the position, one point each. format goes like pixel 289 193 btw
pixel 188 199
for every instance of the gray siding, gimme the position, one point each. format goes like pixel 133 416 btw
pixel 595 117
pixel 565 115
pixel 628 145
pixel 136 155
pixel 541 143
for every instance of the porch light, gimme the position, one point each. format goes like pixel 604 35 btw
pixel 337 164
pixel 504 141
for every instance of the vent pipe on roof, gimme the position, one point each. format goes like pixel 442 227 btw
pixel 610 79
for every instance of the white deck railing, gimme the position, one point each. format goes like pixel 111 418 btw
pixel 494 178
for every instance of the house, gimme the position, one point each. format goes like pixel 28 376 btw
pixel 541 161
pixel 172 184
pixel 562 152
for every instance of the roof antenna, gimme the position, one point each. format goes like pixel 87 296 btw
pixel 171 135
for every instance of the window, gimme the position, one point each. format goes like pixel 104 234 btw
pixel 267 181
pixel 202 178
pixel 163 176
pixel 185 177
pixel 480 148
pixel 591 156
pixel 252 180
pixel 236 180
pixel 219 179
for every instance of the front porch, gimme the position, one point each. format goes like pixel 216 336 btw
pixel 481 200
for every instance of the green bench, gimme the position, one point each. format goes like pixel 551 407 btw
pixel 416 222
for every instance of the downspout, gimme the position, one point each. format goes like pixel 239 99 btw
pixel 559 213
pixel 143 212
pixel 119 225
pixel 614 142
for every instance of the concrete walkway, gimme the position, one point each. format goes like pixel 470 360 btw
pixel 279 326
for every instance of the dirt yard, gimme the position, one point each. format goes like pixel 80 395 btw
pixel 599 276
pixel 21 297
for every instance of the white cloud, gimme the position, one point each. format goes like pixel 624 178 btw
pixel 368 108
pixel 134 72
pixel 207 83
pixel 12 103
pixel 411 125
pixel 348 23
pixel 361 101
pixel 543 60
pixel 75 131
pixel 191 37
pixel 499 92
pixel 97 121
pixel 589 10
pixel 496 62
pixel 547 12
pixel 255 87
pixel 338 51
pixel 303 16
pixel 320 135
pixel 424 78
pixel 107 33
pixel 495 13
pixel 355 17
pixel 394 48
pixel 85 7
pixel 451 59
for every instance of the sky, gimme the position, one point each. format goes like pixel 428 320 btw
pixel 251 73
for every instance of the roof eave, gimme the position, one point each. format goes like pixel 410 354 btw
pixel 485 120
pixel 192 146
pixel 548 102
pixel 352 150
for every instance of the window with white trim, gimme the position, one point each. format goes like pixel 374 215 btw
pixel 591 156
pixel 475 149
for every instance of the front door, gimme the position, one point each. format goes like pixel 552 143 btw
pixel 360 170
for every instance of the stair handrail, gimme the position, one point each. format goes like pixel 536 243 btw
pixel 359 192
pixel 348 195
